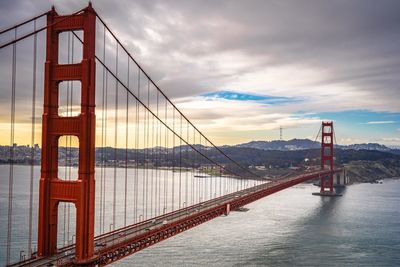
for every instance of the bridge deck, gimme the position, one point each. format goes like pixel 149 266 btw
pixel 126 241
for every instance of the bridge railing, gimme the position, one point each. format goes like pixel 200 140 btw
pixel 175 164
pixel 150 158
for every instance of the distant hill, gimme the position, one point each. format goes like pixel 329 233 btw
pixel 303 144
pixel 282 145
pixel 364 162
pixel 369 146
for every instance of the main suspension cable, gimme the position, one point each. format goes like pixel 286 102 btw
pixel 36 31
pixel 173 105
pixel 153 114
pixel 24 22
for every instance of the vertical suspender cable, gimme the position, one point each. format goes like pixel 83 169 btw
pixel 207 172
pixel 147 118
pixel 187 165
pixel 100 208
pixel 153 179
pixel 220 182
pixel 137 152
pixel 216 181
pixel 147 147
pixel 155 161
pixel 152 174
pixel 136 179
pixel 33 124
pixel 105 146
pixel 115 142
pixel 173 159
pixel 206 168
pixel 211 182
pixel 144 187
pixel 103 108
pixel 144 165
pixel 158 159
pixel 11 172
pixel 180 163
pixel 198 163
pixel 134 170
pixel 126 148
pixel 199 169
pixel 166 161
pixel 193 166
pixel 152 169
pixel 154 164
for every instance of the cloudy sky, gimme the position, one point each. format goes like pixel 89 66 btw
pixel 242 69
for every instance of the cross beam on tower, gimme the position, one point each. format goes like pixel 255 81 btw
pixel 54 190
pixel 179 177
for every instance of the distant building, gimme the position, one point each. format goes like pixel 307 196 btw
pixel 260 168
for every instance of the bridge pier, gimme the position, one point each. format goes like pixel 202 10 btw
pixel 326 181
pixel 227 209
pixel 340 180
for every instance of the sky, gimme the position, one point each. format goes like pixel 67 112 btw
pixel 240 70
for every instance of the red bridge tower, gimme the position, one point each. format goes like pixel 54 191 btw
pixel 53 190
pixel 327 155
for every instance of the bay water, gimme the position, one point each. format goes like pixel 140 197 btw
pixel 289 228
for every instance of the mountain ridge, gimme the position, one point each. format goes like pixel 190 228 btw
pixel 304 144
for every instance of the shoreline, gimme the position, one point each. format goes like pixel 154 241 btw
pixel 354 179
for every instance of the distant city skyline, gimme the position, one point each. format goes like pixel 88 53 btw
pixel 243 70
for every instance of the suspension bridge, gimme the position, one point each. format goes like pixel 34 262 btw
pixel 104 119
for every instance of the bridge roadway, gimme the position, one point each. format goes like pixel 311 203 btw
pixel 120 243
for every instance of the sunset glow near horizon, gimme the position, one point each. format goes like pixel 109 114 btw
pixel 243 71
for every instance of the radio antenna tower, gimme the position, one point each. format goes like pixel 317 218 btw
pixel 280 132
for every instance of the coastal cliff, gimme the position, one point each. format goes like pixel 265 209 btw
pixel 363 171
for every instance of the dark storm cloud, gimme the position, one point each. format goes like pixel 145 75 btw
pixel 357 42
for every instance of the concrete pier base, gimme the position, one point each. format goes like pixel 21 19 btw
pixel 327 194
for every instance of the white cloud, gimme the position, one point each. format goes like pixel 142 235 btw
pixel 380 122
pixel 349 141
pixel 242 121
pixel 326 65
pixel 391 139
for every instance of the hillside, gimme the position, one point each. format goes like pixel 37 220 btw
pixel 363 165
pixel 370 171
pixel 294 144
pixel 303 144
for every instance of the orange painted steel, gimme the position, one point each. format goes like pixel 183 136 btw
pixel 53 190
pixel 327 155
pixel 128 246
